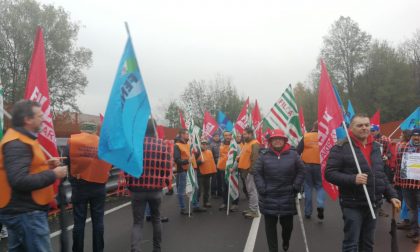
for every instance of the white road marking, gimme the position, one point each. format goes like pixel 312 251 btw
pixel 252 236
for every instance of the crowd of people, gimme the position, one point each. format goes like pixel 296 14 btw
pixel 272 176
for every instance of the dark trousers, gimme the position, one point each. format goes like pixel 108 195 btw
pixel 139 201
pixel 412 199
pixel 91 194
pixel 359 229
pixel 286 223
pixel 242 174
pixel 216 184
pixel 204 185
pixel 226 191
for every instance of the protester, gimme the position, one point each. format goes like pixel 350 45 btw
pixel 341 170
pixel 146 193
pixel 206 169
pixel 279 174
pixel 240 143
pixel 216 179
pixel 246 160
pixel 26 181
pixel 88 176
pixel 308 148
pixel 410 185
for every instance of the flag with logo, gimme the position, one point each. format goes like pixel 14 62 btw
pixel 126 116
pixel 375 120
pixel 412 121
pixel 340 131
pixel 330 118
pixel 350 112
pixel 284 115
pixel 209 125
pixel 256 122
pixel 243 119
pixel 224 122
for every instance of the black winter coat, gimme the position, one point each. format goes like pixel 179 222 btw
pixel 341 170
pixel 278 179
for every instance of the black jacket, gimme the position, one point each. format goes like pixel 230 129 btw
pixel 341 170
pixel 17 161
pixel 278 179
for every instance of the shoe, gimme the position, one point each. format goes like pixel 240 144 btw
pixel 416 239
pixel 308 217
pixel 170 192
pixel 207 205
pixel 320 213
pixel 184 212
pixel 4 233
pixel 164 219
pixel 246 211
pixel 411 234
pixel 222 207
pixel 285 246
pixel 234 208
pixel 252 214
pixel 148 218
pixel 382 213
pixel 404 225
pixel 199 210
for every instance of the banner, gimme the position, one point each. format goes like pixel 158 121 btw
pixel 209 125
pixel 243 121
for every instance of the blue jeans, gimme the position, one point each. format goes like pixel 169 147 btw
pixel 27 231
pixel 313 180
pixel 181 183
pixel 412 199
pixel 82 196
pixel 359 229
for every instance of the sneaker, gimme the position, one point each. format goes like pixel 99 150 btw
pixel 411 234
pixel 252 214
pixel 184 212
pixel 222 207
pixel 234 208
pixel 199 210
pixel 148 218
pixel 164 219
pixel 416 239
pixel 320 213
pixel 285 246
pixel 404 225
pixel 3 233
pixel 207 205
pixel 246 211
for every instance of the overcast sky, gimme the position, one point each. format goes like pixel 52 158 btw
pixel 261 45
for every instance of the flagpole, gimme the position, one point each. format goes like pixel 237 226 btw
pixel 394 131
pixel 359 170
pixel 228 199
pixel 301 223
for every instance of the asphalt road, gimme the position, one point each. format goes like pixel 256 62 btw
pixel 214 231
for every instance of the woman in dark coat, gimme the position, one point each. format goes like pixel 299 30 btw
pixel 279 175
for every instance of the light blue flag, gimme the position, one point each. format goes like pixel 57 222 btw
pixel 413 121
pixel 350 112
pixel 126 116
pixel 224 122
pixel 340 131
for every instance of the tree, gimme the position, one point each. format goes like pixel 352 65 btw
pixel 411 51
pixel 345 52
pixel 65 61
pixel 307 98
pixel 172 115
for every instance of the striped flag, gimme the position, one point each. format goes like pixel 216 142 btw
pixel 231 174
pixel 194 133
pixel 284 115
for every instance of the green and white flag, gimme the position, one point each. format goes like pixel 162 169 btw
pixel 194 134
pixel 284 115
pixel 231 172
pixel 1 111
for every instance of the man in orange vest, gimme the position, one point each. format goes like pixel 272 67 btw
pixel 26 181
pixel 88 178
pixel 206 169
pixel 247 158
pixel 308 148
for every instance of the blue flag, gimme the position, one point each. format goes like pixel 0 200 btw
pixel 340 131
pixel 413 121
pixel 126 116
pixel 224 122
pixel 350 112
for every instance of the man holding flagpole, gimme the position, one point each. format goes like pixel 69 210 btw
pixel 359 224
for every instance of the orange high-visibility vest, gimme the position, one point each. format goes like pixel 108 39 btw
pixel 185 155
pixel 84 162
pixel 310 154
pixel 39 164
pixel 208 166
pixel 245 156
pixel 223 156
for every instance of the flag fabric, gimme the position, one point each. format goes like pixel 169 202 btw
pixel 194 139
pixel 37 90
pixel 330 117
pixel 231 172
pixel 224 122
pixel 126 116
pixel 284 115
pixel 340 131
pixel 375 121
pixel 209 125
pixel 243 119
pixel 1 111
pixel 256 122
pixel 302 121
pixel 182 121
pixel 412 121
pixel 350 112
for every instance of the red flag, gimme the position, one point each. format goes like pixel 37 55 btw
pixel 160 131
pixel 210 125
pixel 256 122
pixel 181 120
pixel 37 90
pixel 302 121
pixel 375 121
pixel 242 121
pixel 330 117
